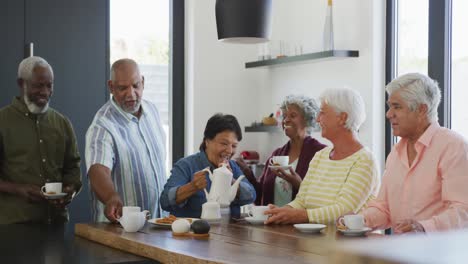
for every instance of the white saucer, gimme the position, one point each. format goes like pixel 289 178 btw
pixel 54 196
pixel 310 228
pixel 280 167
pixel 355 232
pixel 254 221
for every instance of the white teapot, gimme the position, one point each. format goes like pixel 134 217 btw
pixel 221 190
pixel 132 219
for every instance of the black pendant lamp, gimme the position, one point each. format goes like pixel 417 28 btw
pixel 243 21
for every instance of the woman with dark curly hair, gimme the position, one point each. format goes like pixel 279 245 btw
pixel 278 186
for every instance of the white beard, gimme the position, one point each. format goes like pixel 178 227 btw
pixel 134 110
pixel 32 107
pixel 127 110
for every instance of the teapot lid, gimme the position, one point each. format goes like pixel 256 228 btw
pixel 223 169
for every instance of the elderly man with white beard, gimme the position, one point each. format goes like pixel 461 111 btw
pixel 37 145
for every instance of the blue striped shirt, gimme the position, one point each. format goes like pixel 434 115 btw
pixel 134 150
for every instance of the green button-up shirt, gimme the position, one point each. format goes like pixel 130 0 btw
pixel 35 149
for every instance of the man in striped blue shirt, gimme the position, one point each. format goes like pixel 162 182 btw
pixel 125 148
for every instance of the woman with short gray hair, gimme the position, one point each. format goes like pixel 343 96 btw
pixel 346 101
pixel 280 185
pixel 308 107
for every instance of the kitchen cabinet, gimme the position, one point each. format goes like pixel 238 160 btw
pixel 331 54
pixel 73 37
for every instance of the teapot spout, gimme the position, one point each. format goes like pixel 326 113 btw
pixel 234 187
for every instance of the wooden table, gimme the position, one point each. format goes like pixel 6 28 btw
pixel 228 243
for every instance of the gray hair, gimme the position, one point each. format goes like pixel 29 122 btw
pixel 349 101
pixel 416 89
pixel 27 66
pixel 118 64
pixel 307 105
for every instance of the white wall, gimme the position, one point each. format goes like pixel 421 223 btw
pixel 215 75
pixel 218 81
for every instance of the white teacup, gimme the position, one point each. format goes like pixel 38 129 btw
pixel 133 221
pixel 52 188
pixel 353 221
pixel 257 212
pixel 279 160
pixel 211 210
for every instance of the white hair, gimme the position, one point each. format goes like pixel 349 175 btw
pixel 307 105
pixel 27 66
pixel 346 100
pixel 416 89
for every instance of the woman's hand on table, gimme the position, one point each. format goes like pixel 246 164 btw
pixel 286 215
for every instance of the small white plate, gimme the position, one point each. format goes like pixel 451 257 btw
pixel 280 167
pixel 254 221
pixel 355 232
pixel 54 196
pixel 309 228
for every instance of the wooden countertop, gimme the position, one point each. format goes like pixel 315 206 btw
pixel 228 243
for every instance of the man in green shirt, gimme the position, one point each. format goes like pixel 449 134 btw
pixel 37 145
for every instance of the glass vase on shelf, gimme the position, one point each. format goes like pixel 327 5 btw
pixel 328 28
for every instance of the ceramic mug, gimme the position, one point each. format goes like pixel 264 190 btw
pixel 52 188
pixel 353 221
pixel 257 212
pixel 211 210
pixel 133 221
pixel 279 161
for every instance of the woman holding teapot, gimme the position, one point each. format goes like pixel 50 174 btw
pixel 183 194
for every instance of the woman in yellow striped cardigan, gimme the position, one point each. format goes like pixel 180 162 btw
pixel 340 179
